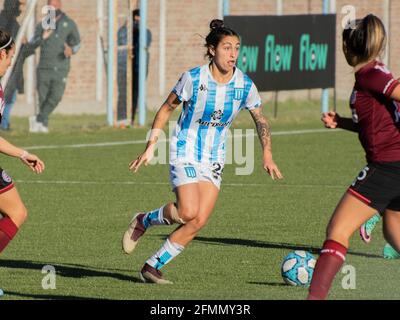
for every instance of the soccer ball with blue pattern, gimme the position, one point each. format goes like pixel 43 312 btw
pixel 297 268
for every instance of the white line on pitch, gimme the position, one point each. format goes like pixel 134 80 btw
pixel 133 142
pixel 241 185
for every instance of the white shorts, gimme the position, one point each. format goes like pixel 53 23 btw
pixel 185 173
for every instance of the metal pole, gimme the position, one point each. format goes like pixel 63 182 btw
pixel 142 62
pixel 325 92
pixel 386 21
pixel 227 8
pixel 110 67
pixel 279 12
pixel 163 27
pixel 31 61
pixel 333 10
pixel 100 53
pixel 279 7
pixel 220 9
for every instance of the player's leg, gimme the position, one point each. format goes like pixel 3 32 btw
pixel 166 215
pixel 43 89
pixel 391 231
pixel 349 215
pixel 135 95
pixel 57 89
pixel 184 179
pixel 367 228
pixel 14 215
pixel 183 235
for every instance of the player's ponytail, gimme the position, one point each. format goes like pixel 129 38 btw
pixel 364 40
pixel 217 33
pixel 6 41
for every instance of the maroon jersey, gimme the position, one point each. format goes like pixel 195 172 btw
pixel 377 115
pixel 2 102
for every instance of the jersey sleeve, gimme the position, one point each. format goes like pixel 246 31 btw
pixel 184 87
pixel 379 80
pixel 253 100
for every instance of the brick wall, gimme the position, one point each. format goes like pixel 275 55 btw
pixel 187 25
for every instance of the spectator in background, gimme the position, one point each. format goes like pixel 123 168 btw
pixel 8 22
pixel 122 41
pixel 57 47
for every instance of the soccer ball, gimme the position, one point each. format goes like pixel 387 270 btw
pixel 297 268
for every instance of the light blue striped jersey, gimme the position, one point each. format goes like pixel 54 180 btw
pixel 209 109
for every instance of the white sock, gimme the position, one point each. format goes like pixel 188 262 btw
pixel 154 218
pixel 168 251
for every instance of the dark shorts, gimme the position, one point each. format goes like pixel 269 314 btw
pixel 6 182
pixel 378 185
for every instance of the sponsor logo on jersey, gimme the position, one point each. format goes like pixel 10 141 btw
pixel 217 115
pixel 203 87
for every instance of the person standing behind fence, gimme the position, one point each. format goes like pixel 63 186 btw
pixel 135 61
pixel 57 44
pixel 8 22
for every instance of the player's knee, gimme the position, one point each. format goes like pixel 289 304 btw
pixel 23 214
pixel 19 215
pixel 200 223
pixel 187 213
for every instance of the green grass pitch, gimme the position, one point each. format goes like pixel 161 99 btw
pixel 80 207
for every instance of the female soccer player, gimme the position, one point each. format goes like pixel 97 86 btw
pixel 212 96
pixel 376 117
pixel 12 210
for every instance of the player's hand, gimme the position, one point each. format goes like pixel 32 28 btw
pixel 33 162
pixel 68 51
pixel 272 168
pixel 143 158
pixel 330 119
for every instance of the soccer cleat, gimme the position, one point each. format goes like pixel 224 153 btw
pixel 367 228
pixel 134 232
pixel 389 252
pixel 148 274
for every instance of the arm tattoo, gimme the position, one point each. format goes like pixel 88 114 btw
pixel 263 129
pixel 170 106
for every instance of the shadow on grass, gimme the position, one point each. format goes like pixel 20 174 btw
pixel 46 296
pixel 68 271
pixel 274 245
pixel 272 284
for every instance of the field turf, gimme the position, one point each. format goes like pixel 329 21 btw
pixel 81 205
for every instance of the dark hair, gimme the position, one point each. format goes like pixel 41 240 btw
pixel 12 7
pixel 135 13
pixel 4 39
pixel 364 40
pixel 217 33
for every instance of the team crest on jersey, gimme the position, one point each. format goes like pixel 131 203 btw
pixel 217 115
pixel 238 95
pixel 6 177
pixel 190 172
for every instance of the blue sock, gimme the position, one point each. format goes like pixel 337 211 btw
pixel 168 251
pixel 154 218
